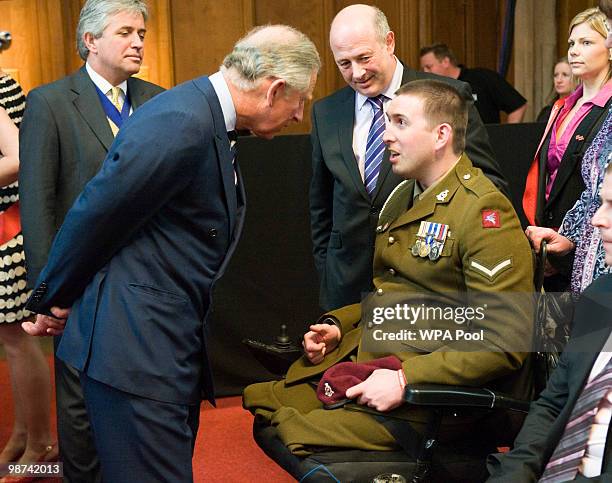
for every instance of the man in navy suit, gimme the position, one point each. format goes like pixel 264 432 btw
pixel 65 136
pixel 134 264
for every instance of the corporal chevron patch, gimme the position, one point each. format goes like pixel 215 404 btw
pixel 490 272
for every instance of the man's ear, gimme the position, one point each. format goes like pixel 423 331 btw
pixel 444 135
pixel 390 42
pixel 275 89
pixel 90 42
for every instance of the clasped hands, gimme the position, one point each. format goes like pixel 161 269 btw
pixel 47 325
pixel 383 390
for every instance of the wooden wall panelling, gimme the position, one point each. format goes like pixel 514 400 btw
pixel 484 26
pixel 158 60
pixel 534 52
pixel 407 29
pixel 312 17
pixel 71 9
pixel 449 25
pixel 204 31
pixel 12 18
pixel 52 40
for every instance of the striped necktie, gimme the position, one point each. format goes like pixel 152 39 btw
pixel 567 457
pixel 117 101
pixel 375 147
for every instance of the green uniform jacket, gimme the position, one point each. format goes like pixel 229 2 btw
pixel 482 253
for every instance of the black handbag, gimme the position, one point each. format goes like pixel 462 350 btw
pixel 554 314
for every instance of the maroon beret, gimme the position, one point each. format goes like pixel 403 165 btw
pixel 332 387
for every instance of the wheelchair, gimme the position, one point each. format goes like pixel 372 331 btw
pixel 422 457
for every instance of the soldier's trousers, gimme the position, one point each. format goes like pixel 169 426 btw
pixel 303 425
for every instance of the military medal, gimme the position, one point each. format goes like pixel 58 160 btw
pixel 416 247
pixel 424 250
pixel 430 240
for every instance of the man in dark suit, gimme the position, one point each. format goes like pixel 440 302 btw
pixel 65 136
pixel 139 252
pixel 566 435
pixel 347 192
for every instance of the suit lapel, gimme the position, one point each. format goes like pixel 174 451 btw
pixel 346 123
pixel 137 94
pixel 224 157
pixel 88 104
pixel 570 157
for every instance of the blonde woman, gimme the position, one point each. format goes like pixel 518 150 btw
pixel 563 85
pixel 555 181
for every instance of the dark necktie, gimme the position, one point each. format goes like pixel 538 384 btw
pixel 233 140
pixel 567 457
pixel 375 147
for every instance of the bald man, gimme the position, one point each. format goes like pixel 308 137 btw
pixel 351 176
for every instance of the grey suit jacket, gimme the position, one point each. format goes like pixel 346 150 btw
pixel 64 138
pixel 343 216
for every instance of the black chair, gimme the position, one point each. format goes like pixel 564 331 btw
pixel 422 457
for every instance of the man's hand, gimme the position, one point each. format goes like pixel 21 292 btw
pixel 383 390
pixel 556 244
pixel 319 340
pixel 47 325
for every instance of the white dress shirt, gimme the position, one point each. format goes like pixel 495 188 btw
pixel 105 86
pixel 227 106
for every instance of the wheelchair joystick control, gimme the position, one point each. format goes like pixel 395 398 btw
pixel 276 355
pixel 282 340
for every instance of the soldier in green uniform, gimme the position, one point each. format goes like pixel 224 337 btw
pixel 446 229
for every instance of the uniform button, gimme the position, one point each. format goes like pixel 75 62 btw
pixel 391 272
pixel 212 232
pixel 379 229
pixel 467 176
pixel 374 211
pixel 391 240
pixel 379 291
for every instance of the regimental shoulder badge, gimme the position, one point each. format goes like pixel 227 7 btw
pixel 491 219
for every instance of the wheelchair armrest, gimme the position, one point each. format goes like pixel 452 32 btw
pixel 444 395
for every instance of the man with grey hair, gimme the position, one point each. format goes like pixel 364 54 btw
pixel 67 130
pixel 137 299
pixel 352 176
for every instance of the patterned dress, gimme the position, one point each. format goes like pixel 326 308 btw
pixel 589 261
pixel 13 292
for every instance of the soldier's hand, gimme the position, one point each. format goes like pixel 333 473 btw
pixel 556 244
pixel 47 325
pixel 320 340
pixel 383 390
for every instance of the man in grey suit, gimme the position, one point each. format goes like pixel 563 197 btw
pixel 64 138
pixel 351 174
